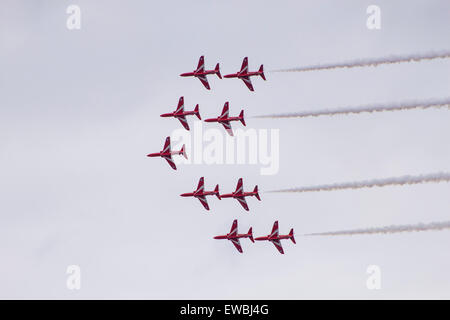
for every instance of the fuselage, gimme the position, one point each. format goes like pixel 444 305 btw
pixel 223 119
pixel 238 195
pixel 163 154
pixel 195 194
pixel 180 114
pixel 198 74
pixel 279 237
pixel 228 237
pixel 242 75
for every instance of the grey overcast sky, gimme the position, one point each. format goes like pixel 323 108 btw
pixel 79 110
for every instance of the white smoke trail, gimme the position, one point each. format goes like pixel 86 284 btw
pixel 370 62
pixel 404 180
pixel 433 226
pixel 364 109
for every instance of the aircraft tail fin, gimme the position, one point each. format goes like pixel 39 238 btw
pixel 241 117
pixel 217 70
pixel 256 193
pixel 197 112
pixel 291 235
pixel 183 151
pixel 261 72
pixel 250 234
pixel 216 192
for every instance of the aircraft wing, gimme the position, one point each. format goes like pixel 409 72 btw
pixel 171 163
pixel 234 228
pixel 227 126
pixel 166 147
pixel 224 113
pixel 248 83
pixel 274 232
pixel 239 186
pixel 184 122
pixel 243 203
pixel 237 244
pixel 204 202
pixel 204 81
pixel 180 107
pixel 201 185
pixel 277 244
pixel 201 64
pixel 244 66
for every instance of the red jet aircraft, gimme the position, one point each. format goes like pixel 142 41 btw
pixel 240 195
pixel 245 75
pixel 180 114
pixel 224 119
pixel 167 154
pixel 234 237
pixel 275 238
pixel 200 194
pixel 201 73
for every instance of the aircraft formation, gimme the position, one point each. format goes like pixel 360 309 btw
pixel 225 120
pixel 238 194
pixel 273 237
pixel 243 74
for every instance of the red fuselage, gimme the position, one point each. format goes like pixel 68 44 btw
pixel 229 237
pixel 238 195
pixel 164 154
pixel 180 114
pixel 279 237
pixel 219 119
pixel 196 194
pixel 242 75
pixel 198 74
